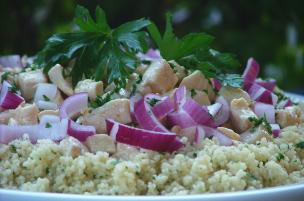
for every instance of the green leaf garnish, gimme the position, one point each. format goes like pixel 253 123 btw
pixel 280 157
pixel 98 50
pixel 300 145
pixel 48 125
pixel 152 101
pixel 260 121
pixel 13 88
pixel 193 92
pixel 5 75
pixel 45 98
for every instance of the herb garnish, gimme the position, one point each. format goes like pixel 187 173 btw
pixel 260 121
pixel 98 50
pixel 13 88
pixel 300 145
pixel 280 157
pixel 152 101
pixel 48 125
pixel 193 93
pixel 5 75
pixel 45 98
pixel 193 52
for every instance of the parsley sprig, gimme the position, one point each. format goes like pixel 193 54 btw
pixel 98 50
pixel 193 51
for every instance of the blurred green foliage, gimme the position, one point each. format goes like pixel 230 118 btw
pixel 272 31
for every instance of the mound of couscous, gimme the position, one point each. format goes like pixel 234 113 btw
pixel 209 168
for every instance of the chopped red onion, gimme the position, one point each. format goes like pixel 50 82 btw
pixel 214 109
pixel 223 115
pixel 267 84
pixel 150 55
pixel 276 130
pixel 180 96
pixel 259 93
pixel 217 84
pixel 285 103
pixel 133 100
pixel 251 72
pixel 8 99
pixel 146 139
pixel 73 105
pixel 163 108
pixel 265 110
pixel 80 132
pixel 199 135
pixel 145 117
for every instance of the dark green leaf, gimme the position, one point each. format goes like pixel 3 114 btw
pixel 300 145
pixel 280 157
pixel 48 125
pixel 45 98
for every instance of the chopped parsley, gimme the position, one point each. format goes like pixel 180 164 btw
pixel 101 100
pixel 48 125
pixel 47 170
pixel 45 98
pixel 300 145
pixel 193 92
pixel 13 88
pixel 260 121
pixel 280 157
pixel 152 101
pixel 5 75
pixel 13 147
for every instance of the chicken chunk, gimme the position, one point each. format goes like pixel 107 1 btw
pixel 158 78
pixel 48 112
pixel 229 133
pixel 201 97
pixel 101 142
pixel 27 114
pixel 180 71
pixel 5 116
pixel 251 136
pixel 56 77
pixel 195 80
pixel 125 152
pixel 230 93
pixel 118 109
pixel 289 116
pixel 72 147
pixel 93 88
pixel 240 112
pixel 28 81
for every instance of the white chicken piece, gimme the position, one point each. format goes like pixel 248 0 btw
pixel 229 133
pixel 72 147
pixel 26 114
pixel 47 112
pixel 289 116
pixel 158 78
pixel 251 136
pixel 201 97
pixel 180 71
pixel 118 109
pixel 195 80
pixel 93 88
pixel 240 112
pixel 28 81
pixel 5 116
pixel 125 152
pixel 101 142
pixel 56 77
pixel 230 93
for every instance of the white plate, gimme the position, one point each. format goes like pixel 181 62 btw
pixel 293 192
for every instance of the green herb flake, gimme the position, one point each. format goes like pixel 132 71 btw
pixel 45 98
pixel 280 157
pixel 5 75
pixel 152 101
pixel 13 148
pixel 260 121
pixel 47 170
pixel 48 125
pixel 13 88
pixel 193 92
pixel 300 145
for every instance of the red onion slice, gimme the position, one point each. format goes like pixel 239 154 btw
pixel 223 115
pixel 150 55
pixel 199 135
pixel 217 84
pixel 146 139
pixel 251 72
pixel 180 96
pixel 267 84
pixel 259 93
pixel 8 99
pixel 80 132
pixel 73 105
pixel 145 117
pixel 214 109
pixel 133 100
pixel 265 110
pixel 284 103
pixel 276 130
pixel 163 108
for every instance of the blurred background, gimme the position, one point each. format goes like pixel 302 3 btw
pixel 271 31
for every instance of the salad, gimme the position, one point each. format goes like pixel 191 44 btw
pixel 131 111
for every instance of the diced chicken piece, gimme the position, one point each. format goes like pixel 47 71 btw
pixel 101 142
pixel 118 109
pixel 28 81
pixel 240 112
pixel 125 152
pixel 158 78
pixel 141 69
pixel 195 80
pixel 56 77
pixel 179 70
pixel 251 136
pixel 93 88
pixel 58 98
pixel 230 93
pixel 201 97
pixel 48 112
pixel 27 114
pixel 12 122
pixel 229 133
pixel 5 116
pixel 72 147
pixel 289 116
